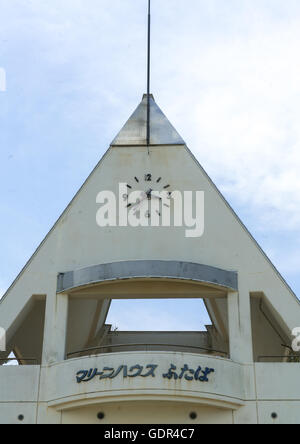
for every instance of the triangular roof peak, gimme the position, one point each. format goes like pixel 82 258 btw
pixel 134 132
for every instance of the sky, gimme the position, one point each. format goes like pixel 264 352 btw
pixel 225 73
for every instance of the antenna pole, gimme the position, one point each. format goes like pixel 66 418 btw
pixel 148 74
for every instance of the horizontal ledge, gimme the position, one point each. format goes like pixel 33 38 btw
pixel 128 345
pixel 206 399
pixel 145 145
pixel 185 271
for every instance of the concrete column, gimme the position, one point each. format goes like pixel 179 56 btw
pixel 240 330
pixel 56 323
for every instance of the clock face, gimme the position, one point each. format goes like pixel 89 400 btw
pixel 144 189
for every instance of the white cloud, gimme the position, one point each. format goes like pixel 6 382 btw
pixel 225 73
pixel 244 120
pixel 230 77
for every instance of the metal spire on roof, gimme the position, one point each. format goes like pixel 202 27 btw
pixel 148 74
pixel 148 124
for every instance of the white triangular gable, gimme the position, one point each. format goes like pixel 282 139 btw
pixel 76 241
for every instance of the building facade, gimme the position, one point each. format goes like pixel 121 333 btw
pixel 74 368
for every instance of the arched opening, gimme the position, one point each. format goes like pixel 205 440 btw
pixel 147 315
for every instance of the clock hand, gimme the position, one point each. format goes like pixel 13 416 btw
pixel 132 205
pixel 142 196
pixel 148 193
pixel 157 197
pixel 138 203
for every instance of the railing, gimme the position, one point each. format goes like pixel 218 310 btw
pixel 146 348
pixel 287 359
pixel 290 357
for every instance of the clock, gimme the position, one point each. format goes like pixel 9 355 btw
pixel 150 185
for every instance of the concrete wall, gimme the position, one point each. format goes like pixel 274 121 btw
pixel 247 392
pixel 234 393
pixel 268 338
pixel 78 242
pixel 148 413
pixel 186 339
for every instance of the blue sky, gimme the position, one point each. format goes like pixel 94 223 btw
pixel 225 73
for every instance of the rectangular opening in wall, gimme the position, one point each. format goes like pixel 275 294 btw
pixel 271 339
pixel 158 315
pixel 24 339
pixel 11 361
pixel 195 325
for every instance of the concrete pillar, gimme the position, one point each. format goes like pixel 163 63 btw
pixel 56 323
pixel 240 330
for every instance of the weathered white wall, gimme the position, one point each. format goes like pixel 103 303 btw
pixel 234 394
pixel 148 413
pixel 77 242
